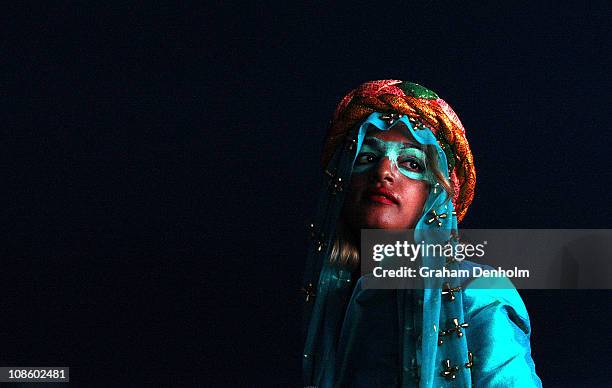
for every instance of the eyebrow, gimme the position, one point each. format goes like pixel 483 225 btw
pixel 380 144
pixel 410 144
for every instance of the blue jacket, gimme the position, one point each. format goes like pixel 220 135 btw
pixel 382 338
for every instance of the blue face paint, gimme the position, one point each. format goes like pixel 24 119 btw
pixel 407 158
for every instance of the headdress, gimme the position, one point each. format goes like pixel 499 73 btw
pixel 422 105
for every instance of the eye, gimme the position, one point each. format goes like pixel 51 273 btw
pixel 412 164
pixel 365 158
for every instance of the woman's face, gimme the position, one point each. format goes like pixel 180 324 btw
pixel 389 185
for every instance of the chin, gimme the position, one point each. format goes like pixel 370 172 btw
pixel 379 224
pixel 382 222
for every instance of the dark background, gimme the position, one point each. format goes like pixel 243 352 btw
pixel 161 164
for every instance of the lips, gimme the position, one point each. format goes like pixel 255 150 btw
pixel 383 196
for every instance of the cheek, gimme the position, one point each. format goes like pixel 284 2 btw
pixel 414 195
pixel 359 183
pixel 353 196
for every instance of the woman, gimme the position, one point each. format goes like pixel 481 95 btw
pixel 396 157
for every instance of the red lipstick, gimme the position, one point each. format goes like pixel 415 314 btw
pixel 382 195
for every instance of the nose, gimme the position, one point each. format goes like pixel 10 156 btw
pixel 384 171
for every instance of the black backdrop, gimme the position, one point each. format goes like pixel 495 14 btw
pixel 161 165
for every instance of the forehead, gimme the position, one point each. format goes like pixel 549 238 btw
pixel 397 133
